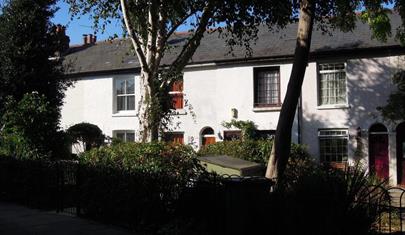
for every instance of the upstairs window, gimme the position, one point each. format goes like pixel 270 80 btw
pixel 176 94
pixel 267 87
pixel 125 94
pixel 125 135
pixel 332 84
pixel 333 145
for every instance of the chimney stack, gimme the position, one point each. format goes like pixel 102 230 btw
pixel 84 39
pixel 89 39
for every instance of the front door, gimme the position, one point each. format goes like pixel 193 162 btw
pixel 378 147
pixel 208 140
pixel 401 153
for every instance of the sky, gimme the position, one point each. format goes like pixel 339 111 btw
pixel 77 27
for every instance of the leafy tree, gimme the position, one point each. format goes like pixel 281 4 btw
pixel 32 84
pixel 341 14
pixel 395 108
pixel 28 41
pixel 29 129
pixel 151 23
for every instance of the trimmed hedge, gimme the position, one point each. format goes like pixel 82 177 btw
pixel 250 150
pixel 135 184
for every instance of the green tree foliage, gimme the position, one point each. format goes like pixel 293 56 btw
pixel 28 41
pixel 29 129
pixel 395 108
pixel 89 134
pixel 32 84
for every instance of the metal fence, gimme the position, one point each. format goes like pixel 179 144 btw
pixel 224 205
pixel 391 218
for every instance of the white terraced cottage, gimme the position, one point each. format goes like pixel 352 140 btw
pixel 347 78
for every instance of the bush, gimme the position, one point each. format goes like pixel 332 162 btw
pixel 89 134
pixel 30 182
pixel 135 184
pixel 328 201
pixel 30 129
pixel 250 150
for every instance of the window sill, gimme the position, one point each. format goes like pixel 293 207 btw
pixel 334 106
pixel 179 112
pixel 266 109
pixel 125 114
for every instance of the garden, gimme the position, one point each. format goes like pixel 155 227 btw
pixel 161 188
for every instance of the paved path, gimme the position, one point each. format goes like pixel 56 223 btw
pixel 16 220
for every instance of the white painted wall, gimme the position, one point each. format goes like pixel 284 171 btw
pixel 368 86
pixel 212 91
pixel 91 100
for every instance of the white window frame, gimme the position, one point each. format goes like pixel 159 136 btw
pixel 115 95
pixel 344 104
pixel 125 132
pixel 323 135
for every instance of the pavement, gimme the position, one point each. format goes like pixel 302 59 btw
pixel 16 220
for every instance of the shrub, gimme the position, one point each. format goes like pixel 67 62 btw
pixel 250 150
pixel 30 129
pixel 248 128
pixel 328 201
pixel 135 184
pixel 89 134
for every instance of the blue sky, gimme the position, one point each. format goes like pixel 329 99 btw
pixel 77 27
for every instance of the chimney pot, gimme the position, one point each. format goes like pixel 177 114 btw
pixel 85 39
pixel 89 39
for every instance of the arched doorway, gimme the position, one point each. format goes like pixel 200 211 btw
pixel 207 136
pixel 401 153
pixel 378 151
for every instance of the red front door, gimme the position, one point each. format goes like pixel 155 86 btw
pixel 208 140
pixel 378 147
pixel 401 153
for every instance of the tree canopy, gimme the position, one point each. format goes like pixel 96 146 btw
pixel 32 82
pixel 28 41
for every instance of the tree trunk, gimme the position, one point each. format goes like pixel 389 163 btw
pixel 282 143
pixel 147 131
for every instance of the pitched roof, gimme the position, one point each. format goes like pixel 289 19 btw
pixel 116 55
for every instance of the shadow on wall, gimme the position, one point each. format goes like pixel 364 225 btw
pixel 368 86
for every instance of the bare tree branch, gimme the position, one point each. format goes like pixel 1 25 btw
pixel 153 27
pixel 134 38
pixel 191 46
pixel 178 23
pixel 162 30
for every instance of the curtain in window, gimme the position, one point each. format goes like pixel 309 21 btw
pixel 332 88
pixel 268 87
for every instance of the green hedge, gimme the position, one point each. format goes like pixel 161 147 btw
pixel 250 150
